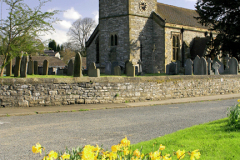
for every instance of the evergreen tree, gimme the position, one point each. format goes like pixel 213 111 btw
pixel 52 45
pixel 58 48
pixel 223 17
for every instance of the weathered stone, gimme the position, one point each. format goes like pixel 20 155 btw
pixel 93 71
pixel 17 66
pixel 221 68
pixel 172 68
pixel 203 66
pixel 114 64
pixel 70 70
pixel 130 69
pixel 24 63
pixel 216 67
pixel 35 67
pixel 196 66
pixel 209 61
pixel 117 71
pixel 188 67
pixel 30 67
pixel 108 68
pixel 45 67
pixel 78 66
pixel 233 66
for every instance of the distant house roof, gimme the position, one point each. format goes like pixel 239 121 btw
pixel 50 53
pixel 53 61
pixel 177 15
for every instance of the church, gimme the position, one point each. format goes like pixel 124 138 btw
pixel 145 32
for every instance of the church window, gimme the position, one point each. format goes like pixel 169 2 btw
pixel 114 40
pixel 175 47
pixel 97 50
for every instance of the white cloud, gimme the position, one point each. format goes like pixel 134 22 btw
pixel 64 24
pixel 191 0
pixel 60 36
pixel 96 16
pixel 71 14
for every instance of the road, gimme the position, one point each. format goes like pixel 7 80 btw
pixel 107 127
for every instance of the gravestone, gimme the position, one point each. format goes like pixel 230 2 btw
pixel 210 72
pixel 70 69
pixel 40 70
pixel 196 66
pixel 113 65
pixel 60 71
pixel 93 71
pixel 51 71
pixel 233 66
pixel 203 66
pixel 17 66
pixel 24 64
pixel 30 67
pixel 173 68
pixel 167 69
pixel 221 68
pixel 130 69
pixel 117 71
pixel 35 67
pixel 78 66
pixel 45 67
pixel 188 67
pixel 108 68
pixel 9 66
pixel 216 67
pixel 136 70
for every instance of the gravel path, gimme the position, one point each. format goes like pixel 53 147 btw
pixel 56 131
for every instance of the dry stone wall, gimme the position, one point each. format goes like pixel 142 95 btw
pixel 53 92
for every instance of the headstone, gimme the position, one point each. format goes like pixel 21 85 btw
pixel 136 70
pixel 188 67
pixel 196 66
pixel 113 65
pixel 70 68
pixel 93 71
pixel 24 64
pixel 167 69
pixel 233 66
pixel 45 67
pixel 117 71
pixel 30 67
pixel 210 72
pixel 60 71
pixel 35 67
pixel 227 59
pixel 203 66
pixel 173 68
pixel 216 67
pixel 78 66
pixel 221 69
pixel 140 66
pixel 108 68
pixel 130 69
pixel 40 70
pixel 51 71
pixel 9 66
pixel 17 66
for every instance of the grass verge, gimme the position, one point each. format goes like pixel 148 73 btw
pixel 215 140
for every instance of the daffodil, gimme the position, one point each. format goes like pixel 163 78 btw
pixel 161 147
pixel 137 153
pixel 238 100
pixel 46 158
pixel 167 157
pixel 53 154
pixel 125 142
pixel 155 155
pixel 195 154
pixel 115 148
pixel 37 148
pixel 65 156
pixel 125 151
pixel 180 154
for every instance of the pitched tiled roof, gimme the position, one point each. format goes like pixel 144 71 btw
pixel 178 15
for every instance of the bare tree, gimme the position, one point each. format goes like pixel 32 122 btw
pixel 80 32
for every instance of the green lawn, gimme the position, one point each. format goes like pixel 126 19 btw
pixel 215 140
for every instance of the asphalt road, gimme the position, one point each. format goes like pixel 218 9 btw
pixel 107 127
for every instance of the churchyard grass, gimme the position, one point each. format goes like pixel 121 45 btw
pixel 215 140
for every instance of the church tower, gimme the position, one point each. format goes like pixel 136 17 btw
pixel 126 31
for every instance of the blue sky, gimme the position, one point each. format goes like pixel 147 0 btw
pixel 71 10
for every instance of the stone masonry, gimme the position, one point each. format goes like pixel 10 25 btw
pixel 51 92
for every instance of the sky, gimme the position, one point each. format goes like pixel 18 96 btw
pixel 71 10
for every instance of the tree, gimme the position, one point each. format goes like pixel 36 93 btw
pixel 52 45
pixel 21 28
pixel 58 48
pixel 80 32
pixel 223 17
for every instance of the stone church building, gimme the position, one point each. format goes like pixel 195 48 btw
pixel 145 31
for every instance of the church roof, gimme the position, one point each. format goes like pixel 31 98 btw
pixel 178 15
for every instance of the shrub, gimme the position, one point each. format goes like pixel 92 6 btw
pixel 234 116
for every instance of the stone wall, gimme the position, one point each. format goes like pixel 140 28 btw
pixel 49 92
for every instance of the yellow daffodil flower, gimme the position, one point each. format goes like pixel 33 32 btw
pixel 65 156
pixel 180 154
pixel 115 148
pixel 195 154
pixel 125 142
pixel 155 155
pixel 161 147
pixel 238 100
pixel 137 153
pixel 46 158
pixel 53 154
pixel 37 148
pixel 167 157
pixel 125 151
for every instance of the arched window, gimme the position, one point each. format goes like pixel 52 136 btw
pixel 97 51
pixel 116 40
pixel 112 40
